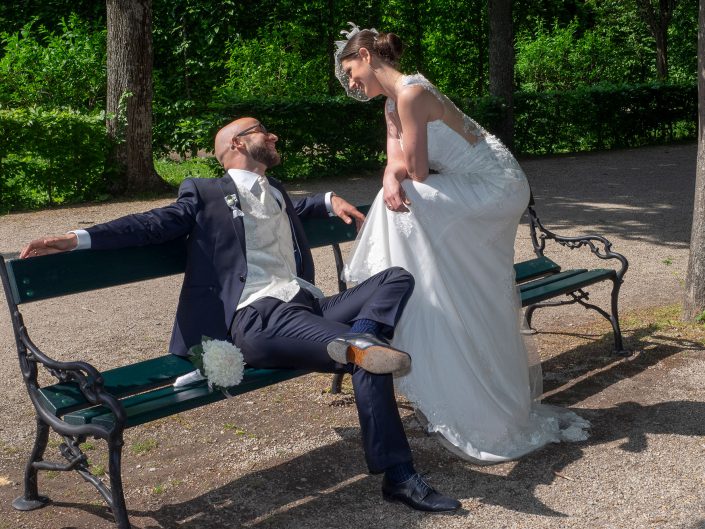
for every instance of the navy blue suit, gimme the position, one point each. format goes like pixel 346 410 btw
pixel 270 333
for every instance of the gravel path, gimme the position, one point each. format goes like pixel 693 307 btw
pixel 289 455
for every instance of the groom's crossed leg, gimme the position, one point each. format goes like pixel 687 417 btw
pixel 295 334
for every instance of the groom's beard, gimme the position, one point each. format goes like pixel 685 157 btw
pixel 265 154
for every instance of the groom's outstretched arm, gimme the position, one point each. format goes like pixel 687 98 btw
pixel 152 227
pixel 328 205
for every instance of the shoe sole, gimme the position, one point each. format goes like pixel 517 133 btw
pixel 375 359
pixel 393 499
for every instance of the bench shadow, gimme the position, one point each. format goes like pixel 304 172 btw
pixel 589 368
pixel 325 487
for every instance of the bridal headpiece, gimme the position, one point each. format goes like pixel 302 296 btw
pixel 339 71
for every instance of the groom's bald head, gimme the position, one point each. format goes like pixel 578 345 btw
pixel 233 149
pixel 225 136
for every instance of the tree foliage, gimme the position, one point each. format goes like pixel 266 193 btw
pixel 61 67
pixel 202 49
pixel 209 57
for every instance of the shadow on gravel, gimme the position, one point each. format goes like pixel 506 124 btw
pixel 588 369
pixel 325 487
pixel 309 488
pixel 328 486
pixel 664 224
pixel 634 194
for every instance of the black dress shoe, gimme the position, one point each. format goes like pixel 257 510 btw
pixel 419 495
pixel 368 352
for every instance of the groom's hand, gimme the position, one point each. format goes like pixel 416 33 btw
pixel 346 211
pixel 49 245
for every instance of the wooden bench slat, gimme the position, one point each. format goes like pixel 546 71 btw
pixel 535 268
pixel 547 280
pixel 530 295
pixel 80 271
pixel 83 270
pixel 126 380
pixel 324 232
pixel 169 400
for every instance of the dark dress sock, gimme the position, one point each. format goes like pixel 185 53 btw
pixel 365 326
pixel 400 473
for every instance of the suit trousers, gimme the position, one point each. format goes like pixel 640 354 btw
pixel 275 334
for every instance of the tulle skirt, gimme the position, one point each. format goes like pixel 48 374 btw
pixel 472 376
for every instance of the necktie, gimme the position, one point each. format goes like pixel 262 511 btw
pixel 271 205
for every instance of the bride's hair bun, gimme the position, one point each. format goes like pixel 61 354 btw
pixel 389 47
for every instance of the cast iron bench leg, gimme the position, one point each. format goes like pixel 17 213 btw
pixel 117 503
pixel 528 314
pixel 31 499
pixel 613 316
pixel 614 320
pixel 336 384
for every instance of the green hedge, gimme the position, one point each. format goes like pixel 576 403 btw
pixel 337 135
pixel 604 117
pixel 50 157
pixel 317 137
pixel 58 156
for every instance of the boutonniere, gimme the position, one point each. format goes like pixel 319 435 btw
pixel 232 202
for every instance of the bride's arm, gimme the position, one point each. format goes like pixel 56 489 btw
pixel 416 107
pixel 395 170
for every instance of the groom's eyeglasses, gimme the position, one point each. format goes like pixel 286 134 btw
pixel 252 130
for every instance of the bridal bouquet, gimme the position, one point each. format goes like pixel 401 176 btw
pixel 218 361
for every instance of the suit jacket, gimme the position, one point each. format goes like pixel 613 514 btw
pixel 216 267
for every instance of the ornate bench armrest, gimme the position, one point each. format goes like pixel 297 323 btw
pixel 599 245
pixel 88 379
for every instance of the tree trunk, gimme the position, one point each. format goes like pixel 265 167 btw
pixel 129 97
pixel 658 23
pixel 694 299
pixel 416 6
pixel 501 55
pixel 480 45
pixel 662 54
pixel 331 37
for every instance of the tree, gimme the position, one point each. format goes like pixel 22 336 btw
pixel 694 299
pixel 129 95
pixel 501 59
pixel 658 21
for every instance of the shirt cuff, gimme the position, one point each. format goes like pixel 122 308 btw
pixel 329 206
pixel 84 239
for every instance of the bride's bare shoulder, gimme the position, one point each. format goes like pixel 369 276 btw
pixel 415 98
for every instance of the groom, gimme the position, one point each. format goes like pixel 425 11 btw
pixel 249 278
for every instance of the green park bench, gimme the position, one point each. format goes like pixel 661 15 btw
pixel 86 403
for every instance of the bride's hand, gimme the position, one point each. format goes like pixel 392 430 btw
pixel 394 196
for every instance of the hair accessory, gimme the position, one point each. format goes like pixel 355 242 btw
pixel 339 71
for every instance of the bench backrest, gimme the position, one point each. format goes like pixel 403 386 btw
pixel 80 271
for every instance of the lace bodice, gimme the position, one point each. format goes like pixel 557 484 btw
pixel 456 142
pixel 450 138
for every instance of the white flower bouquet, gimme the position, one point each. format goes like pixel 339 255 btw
pixel 218 361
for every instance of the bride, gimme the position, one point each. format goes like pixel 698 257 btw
pixel 448 212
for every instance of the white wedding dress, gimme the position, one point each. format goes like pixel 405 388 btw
pixel 470 376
